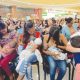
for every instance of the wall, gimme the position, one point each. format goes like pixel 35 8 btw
pixel 15 12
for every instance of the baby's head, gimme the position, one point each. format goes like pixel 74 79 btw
pixel 38 41
pixel 13 44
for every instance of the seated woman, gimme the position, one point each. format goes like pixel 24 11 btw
pixel 54 39
pixel 57 51
pixel 26 66
pixel 28 51
pixel 8 53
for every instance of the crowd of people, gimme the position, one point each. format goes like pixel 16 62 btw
pixel 29 41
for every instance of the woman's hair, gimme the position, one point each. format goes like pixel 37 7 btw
pixel 42 22
pixel 54 32
pixel 46 24
pixel 26 36
pixel 2 26
pixel 68 20
pixel 53 20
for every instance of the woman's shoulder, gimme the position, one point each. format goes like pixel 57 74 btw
pixel 62 36
pixel 65 28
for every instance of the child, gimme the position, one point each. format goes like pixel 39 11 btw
pixel 28 51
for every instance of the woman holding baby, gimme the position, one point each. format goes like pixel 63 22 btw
pixel 52 44
pixel 25 68
pixel 7 50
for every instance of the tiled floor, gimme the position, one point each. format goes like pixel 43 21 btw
pixel 35 76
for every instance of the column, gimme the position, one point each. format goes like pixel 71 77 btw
pixel 13 12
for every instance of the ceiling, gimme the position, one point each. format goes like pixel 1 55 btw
pixel 52 2
pixel 59 4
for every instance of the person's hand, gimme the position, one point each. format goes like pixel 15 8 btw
pixel 45 45
pixel 43 30
pixel 31 43
pixel 34 47
pixel 56 54
pixel 3 51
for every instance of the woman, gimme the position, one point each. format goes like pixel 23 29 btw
pixel 48 26
pixel 25 67
pixel 74 46
pixel 55 40
pixel 69 28
pixel 4 62
pixel 20 29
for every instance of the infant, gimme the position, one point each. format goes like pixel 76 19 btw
pixel 60 55
pixel 27 52
pixel 6 50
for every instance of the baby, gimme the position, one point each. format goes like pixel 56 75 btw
pixel 8 48
pixel 57 51
pixel 60 55
pixel 28 51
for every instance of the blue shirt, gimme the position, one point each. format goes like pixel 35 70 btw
pixel 77 58
pixel 20 31
pixel 66 31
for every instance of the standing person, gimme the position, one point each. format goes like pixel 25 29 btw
pixel 25 67
pixel 54 39
pixel 69 28
pixel 49 24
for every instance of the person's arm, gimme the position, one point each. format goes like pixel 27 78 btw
pixel 9 51
pixel 50 53
pixel 45 50
pixel 32 46
pixel 0 48
pixel 72 49
pixel 64 40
